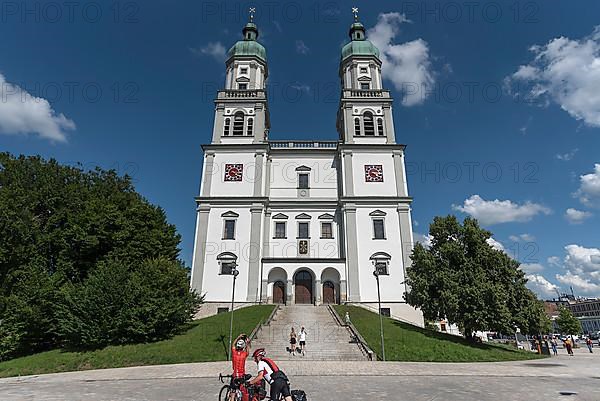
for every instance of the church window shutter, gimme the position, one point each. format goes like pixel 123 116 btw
pixel 369 124
pixel 238 124
pixel 250 129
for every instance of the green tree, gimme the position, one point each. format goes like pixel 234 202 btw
pixel 567 323
pixel 58 224
pixel 463 279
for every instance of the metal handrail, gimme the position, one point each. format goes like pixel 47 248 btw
pixel 356 335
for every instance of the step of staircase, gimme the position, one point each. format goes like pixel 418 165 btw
pixel 326 340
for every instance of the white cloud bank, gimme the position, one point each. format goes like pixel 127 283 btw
pixel 215 50
pixel 500 211
pixel 406 65
pixel 23 114
pixel 575 216
pixel 567 72
pixel 589 187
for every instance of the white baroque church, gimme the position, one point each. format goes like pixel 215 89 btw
pixel 303 222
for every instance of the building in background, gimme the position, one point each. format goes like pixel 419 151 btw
pixel 304 222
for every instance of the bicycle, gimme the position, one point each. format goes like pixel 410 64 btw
pixel 256 392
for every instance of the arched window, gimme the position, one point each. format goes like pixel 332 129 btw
pixel 226 127
pixel 249 130
pixel 380 126
pixel 238 124
pixel 368 124
pixel 357 126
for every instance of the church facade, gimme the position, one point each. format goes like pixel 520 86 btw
pixel 303 222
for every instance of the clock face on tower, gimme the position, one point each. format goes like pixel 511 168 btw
pixel 234 172
pixel 373 173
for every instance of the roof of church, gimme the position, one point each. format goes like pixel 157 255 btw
pixel 359 45
pixel 248 46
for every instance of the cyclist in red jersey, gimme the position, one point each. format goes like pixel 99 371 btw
pixel 239 352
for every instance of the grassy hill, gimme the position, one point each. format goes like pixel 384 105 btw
pixel 203 341
pixel 404 342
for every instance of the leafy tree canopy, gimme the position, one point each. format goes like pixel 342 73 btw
pixel 567 323
pixel 463 279
pixel 60 226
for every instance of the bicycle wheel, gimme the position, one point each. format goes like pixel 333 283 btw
pixel 224 393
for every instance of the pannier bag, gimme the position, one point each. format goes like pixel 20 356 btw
pixel 298 395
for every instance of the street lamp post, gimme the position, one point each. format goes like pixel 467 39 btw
pixel 376 273
pixel 235 273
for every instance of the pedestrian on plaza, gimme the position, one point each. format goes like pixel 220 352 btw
pixel 302 338
pixel 554 344
pixel 590 345
pixel 293 342
pixel 569 346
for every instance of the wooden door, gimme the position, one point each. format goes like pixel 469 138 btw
pixel 279 293
pixel 328 293
pixel 304 293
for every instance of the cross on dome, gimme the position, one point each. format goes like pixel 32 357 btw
pixel 355 12
pixel 251 11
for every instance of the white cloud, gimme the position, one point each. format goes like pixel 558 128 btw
pixel 497 245
pixel 22 113
pixel 530 268
pixel 575 216
pixel 500 211
pixel 538 284
pixel 300 87
pixel 566 71
pixel 567 156
pixel 301 47
pixel 554 261
pixel 423 239
pixel 215 50
pixel 589 187
pixel 582 270
pixel 406 65
pixel 522 237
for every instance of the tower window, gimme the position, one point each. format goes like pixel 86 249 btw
pixel 368 123
pixel 364 86
pixel 378 229
pixel 238 124
pixel 363 70
pixel 357 126
pixel 229 229
pixel 243 87
pixel 303 231
pixel 226 127
pixel 249 130
pixel 244 70
pixel 303 181
pixel 380 126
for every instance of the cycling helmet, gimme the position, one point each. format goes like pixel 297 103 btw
pixel 260 352
pixel 240 344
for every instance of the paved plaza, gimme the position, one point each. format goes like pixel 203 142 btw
pixel 558 378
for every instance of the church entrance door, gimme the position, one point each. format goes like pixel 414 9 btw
pixel 328 293
pixel 304 287
pixel 279 293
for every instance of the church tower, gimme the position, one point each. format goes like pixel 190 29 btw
pixel 242 114
pixel 365 113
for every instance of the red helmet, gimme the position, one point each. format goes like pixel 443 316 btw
pixel 259 352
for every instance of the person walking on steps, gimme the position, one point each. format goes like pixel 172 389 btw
pixel 302 338
pixel 293 338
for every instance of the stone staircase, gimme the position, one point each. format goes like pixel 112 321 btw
pixel 326 340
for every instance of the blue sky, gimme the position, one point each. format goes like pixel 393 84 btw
pixel 508 130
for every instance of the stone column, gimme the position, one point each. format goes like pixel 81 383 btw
pixel 352 254
pixel 389 123
pixel 406 238
pixel 343 291
pixel 208 173
pixel 401 188
pixel 348 173
pixel 290 291
pixel 268 176
pixel 264 291
pixel 254 254
pixel 318 291
pixel 258 174
pixel 199 257
pixel 219 123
